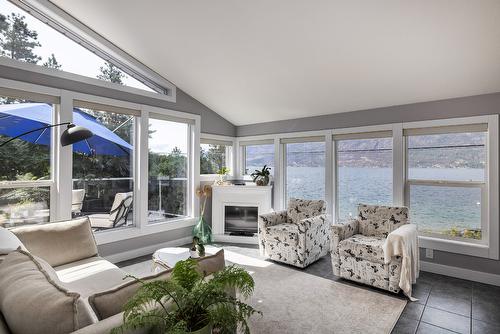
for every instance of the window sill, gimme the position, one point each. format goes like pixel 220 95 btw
pixel 106 237
pixel 455 246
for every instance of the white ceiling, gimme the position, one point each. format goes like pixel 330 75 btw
pixel 258 61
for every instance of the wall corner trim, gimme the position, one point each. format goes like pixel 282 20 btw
pixel 467 274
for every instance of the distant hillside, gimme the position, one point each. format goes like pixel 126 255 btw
pixel 438 151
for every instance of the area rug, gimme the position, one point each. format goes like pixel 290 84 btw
pixel 293 301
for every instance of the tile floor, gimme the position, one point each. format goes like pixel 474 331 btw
pixel 446 305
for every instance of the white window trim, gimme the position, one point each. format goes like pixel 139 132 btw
pixel 230 156
pixel 61 183
pixel 490 213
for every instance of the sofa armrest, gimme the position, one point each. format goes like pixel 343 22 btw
pixel 273 218
pixel 105 326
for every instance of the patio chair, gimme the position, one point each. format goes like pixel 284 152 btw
pixel 77 196
pixel 118 214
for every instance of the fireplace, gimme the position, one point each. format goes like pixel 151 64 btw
pixel 240 220
pixel 235 211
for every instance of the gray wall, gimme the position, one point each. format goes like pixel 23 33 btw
pixel 211 122
pixel 487 104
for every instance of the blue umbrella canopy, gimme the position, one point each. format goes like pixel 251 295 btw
pixel 18 118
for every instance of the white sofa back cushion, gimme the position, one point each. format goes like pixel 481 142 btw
pixel 9 242
pixel 33 301
pixel 59 243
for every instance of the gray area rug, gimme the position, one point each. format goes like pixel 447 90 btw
pixel 294 301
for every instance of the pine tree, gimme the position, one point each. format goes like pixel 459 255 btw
pixel 111 73
pixel 18 41
pixel 52 63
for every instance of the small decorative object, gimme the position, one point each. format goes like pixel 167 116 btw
pixel 200 304
pixel 261 177
pixel 222 176
pixel 202 230
pixel 193 251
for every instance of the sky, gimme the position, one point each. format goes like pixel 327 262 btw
pixel 76 59
pixel 73 57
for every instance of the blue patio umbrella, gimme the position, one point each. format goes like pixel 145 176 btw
pixel 18 118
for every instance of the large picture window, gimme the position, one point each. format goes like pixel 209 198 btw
pixel 364 172
pixel 305 168
pixel 256 155
pixel 445 187
pixel 214 155
pixel 168 169
pixel 26 179
pixel 103 167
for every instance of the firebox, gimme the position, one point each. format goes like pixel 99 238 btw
pixel 240 220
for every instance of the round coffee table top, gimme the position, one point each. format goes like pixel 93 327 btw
pixel 169 256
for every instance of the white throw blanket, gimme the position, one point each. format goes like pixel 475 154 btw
pixel 403 242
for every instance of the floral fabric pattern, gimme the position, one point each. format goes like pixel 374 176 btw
pixel 298 240
pixel 381 220
pixel 363 247
pixel 356 247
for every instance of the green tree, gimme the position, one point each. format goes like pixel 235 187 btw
pixel 18 41
pixel 213 159
pixel 111 73
pixel 52 63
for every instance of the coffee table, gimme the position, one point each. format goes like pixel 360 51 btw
pixel 169 256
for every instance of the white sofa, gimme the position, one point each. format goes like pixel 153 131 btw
pixel 60 266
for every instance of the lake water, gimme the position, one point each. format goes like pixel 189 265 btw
pixel 434 209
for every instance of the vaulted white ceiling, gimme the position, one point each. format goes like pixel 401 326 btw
pixel 258 61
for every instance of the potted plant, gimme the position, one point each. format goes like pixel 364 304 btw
pixel 261 177
pixel 190 303
pixel 222 175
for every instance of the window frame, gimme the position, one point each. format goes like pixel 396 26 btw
pixel 377 133
pixel 489 246
pixel 71 28
pixel 243 153
pixel 231 154
pixel 284 141
pixel 42 95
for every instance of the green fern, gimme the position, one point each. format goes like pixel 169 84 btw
pixel 188 302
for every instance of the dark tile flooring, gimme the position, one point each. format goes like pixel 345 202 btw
pixel 446 305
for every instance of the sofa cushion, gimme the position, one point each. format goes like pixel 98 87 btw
pixel 288 234
pixel 380 220
pixel 59 243
pixel 108 303
pixel 29 290
pixel 89 276
pixel 363 247
pixel 9 242
pixel 299 209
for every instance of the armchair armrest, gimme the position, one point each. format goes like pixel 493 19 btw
pixel 273 218
pixel 345 230
pixel 306 224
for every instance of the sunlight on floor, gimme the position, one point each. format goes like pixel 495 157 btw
pixel 239 259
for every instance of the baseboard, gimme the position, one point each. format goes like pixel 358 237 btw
pixel 133 253
pixel 471 275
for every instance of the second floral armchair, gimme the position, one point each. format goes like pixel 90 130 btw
pixel 298 236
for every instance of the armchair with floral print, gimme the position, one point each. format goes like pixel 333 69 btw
pixel 298 236
pixel 357 246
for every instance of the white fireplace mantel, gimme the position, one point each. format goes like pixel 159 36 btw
pixel 233 195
